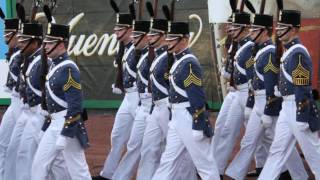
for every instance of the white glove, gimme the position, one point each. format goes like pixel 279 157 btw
pixel 61 142
pixel 266 121
pixel 116 90
pixel 197 135
pixel 250 84
pixel 276 91
pixel 6 89
pixel 247 112
pixel 303 126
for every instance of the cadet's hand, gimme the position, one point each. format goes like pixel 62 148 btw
pixel 303 126
pixel 197 135
pixel 61 142
pixel 276 91
pixel 116 90
pixel 230 88
pixel 6 89
pixel 247 112
pixel 266 121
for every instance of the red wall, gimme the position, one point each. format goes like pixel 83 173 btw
pixel 310 37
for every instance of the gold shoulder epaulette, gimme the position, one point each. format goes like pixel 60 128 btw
pixel 71 83
pixel 192 79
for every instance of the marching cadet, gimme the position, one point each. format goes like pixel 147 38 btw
pixel 127 111
pixel 243 64
pixel 29 41
pixel 14 110
pixel 157 124
pixel 266 107
pixel 299 118
pixel 189 128
pixel 67 133
pixel 127 165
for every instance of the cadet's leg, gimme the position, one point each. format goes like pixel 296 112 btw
pixel 221 119
pixel 151 145
pixel 240 164
pixel 281 147
pixel 131 159
pixel 11 155
pixel 120 133
pixel 230 132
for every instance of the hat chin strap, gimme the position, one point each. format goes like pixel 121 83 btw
pixel 175 44
pixel 261 30
pixel 123 34
pixel 142 36
pixel 289 28
pixel 30 41
pixel 10 39
pixel 54 47
pixel 241 30
pixel 151 44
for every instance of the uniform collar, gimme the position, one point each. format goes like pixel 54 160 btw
pixel 60 58
pixel 244 40
pixel 182 53
pixel 129 45
pixel 35 54
pixel 293 42
pixel 266 43
pixel 145 50
pixel 161 50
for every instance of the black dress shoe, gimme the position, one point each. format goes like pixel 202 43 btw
pixel 99 178
pixel 285 176
pixel 221 177
pixel 254 173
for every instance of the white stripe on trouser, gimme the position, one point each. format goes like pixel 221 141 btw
pixel 287 133
pixel 179 140
pixel 254 134
pixel 8 123
pixel 120 132
pixel 130 160
pixel 10 160
pixel 28 145
pixel 231 130
pixel 154 143
pixel 47 153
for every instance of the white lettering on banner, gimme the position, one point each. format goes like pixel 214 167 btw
pixel 89 45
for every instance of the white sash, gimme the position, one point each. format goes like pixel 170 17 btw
pixel 156 61
pixel 242 48
pixel 158 85
pixel 58 100
pixel 36 91
pixel 240 69
pixel 173 68
pixel 126 65
pixel 13 56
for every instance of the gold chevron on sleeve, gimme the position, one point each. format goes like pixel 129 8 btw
pixel 71 83
pixel 300 75
pixel 166 75
pixel 250 63
pixel 270 66
pixel 192 79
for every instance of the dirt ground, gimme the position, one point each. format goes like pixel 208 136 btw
pixel 99 128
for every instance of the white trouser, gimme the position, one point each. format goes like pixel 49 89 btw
pixel 47 153
pixel 154 143
pixel 120 132
pixel 231 129
pixel 130 160
pixel 11 156
pixel 179 140
pixel 254 134
pixel 221 119
pixel 8 123
pixel 287 132
pixel 29 144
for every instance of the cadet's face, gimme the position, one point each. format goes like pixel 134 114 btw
pixel 235 31
pixel 48 48
pixel 282 33
pixel 228 29
pixel 13 41
pixel 153 39
pixel 254 32
pixel 22 44
pixel 171 44
pixel 120 33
